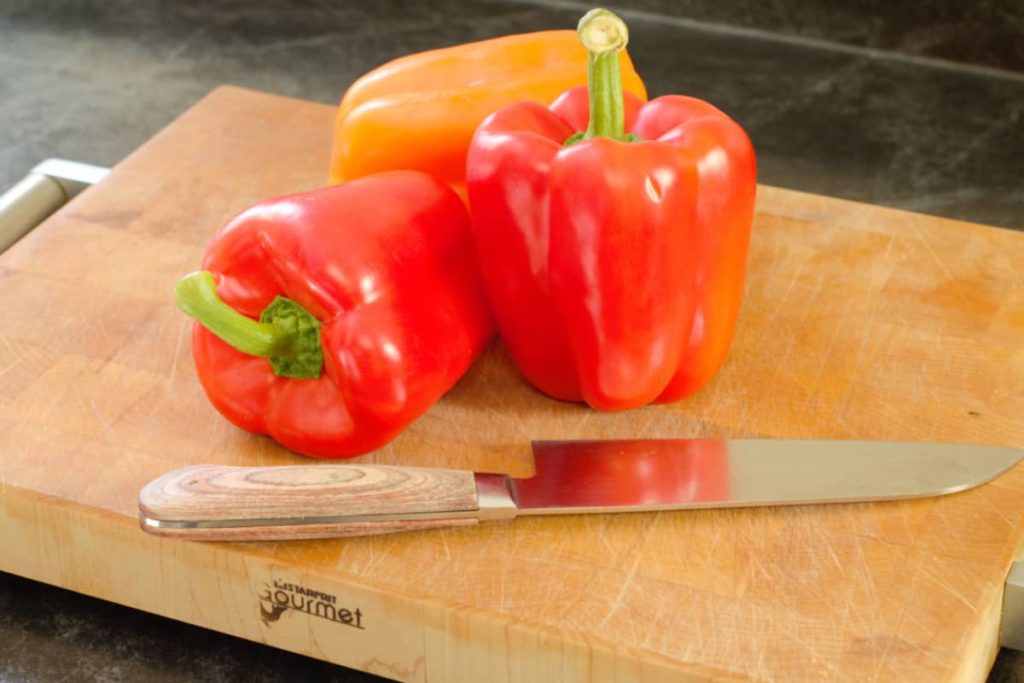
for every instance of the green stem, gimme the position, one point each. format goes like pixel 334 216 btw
pixel 287 334
pixel 197 296
pixel 604 35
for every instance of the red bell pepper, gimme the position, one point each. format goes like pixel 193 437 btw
pixel 370 307
pixel 613 234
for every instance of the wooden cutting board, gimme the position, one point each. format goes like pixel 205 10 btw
pixel 859 322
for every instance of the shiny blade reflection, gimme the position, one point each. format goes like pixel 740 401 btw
pixel 664 474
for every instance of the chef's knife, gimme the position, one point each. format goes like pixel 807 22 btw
pixel 214 502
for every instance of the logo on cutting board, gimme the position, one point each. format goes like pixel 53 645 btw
pixel 278 597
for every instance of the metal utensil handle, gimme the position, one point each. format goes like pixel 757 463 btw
pixel 45 189
pixel 1011 633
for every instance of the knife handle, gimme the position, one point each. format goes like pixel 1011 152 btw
pixel 221 503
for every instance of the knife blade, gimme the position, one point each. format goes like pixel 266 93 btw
pixel 214 502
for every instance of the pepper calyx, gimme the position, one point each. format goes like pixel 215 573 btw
pixel 306 357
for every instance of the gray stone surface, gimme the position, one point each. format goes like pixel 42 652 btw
pixel 988 33
pixel 90 81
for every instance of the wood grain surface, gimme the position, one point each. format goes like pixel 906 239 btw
pixel 858 322
pixel 254 500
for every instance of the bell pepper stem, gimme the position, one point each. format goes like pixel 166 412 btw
pixel 197 297
pixel 604 34
pixel 287 334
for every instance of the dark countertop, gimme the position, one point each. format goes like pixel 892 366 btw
pixel 852 114
pixel 91 81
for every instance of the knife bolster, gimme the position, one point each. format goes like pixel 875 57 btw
pixel 494 498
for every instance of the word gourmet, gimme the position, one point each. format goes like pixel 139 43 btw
pixel 281 596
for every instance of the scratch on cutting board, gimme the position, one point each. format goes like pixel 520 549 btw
pixel 17 356
pixel 313 642
pixel 945 583
pixel 596 523
pixel 903 605
pixel 100 417
pixel 649 525
pixel 865 323
pixel 10 365
pixel 642 432
pixel 501 586
pixel 584 419
pixel 832 553
pixel 928 247
pixel 991 506
pixel 177 351
pixel 785 295
pixel 839 328
pixel 444 542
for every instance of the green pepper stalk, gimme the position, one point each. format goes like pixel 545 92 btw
pixel 287 335
pixel 604 35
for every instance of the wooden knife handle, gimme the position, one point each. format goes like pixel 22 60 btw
pixel 220 503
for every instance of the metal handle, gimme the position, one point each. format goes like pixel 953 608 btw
pixel 45 189
pixel 1011 632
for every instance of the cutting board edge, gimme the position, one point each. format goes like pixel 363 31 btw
pixel 101 556
pixel 785 202
pixel 780 199
pixel 226 91
pixel 979 652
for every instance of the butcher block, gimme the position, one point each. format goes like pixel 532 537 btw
pixel 859 322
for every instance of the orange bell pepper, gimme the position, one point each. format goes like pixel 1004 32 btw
pixel 419 111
